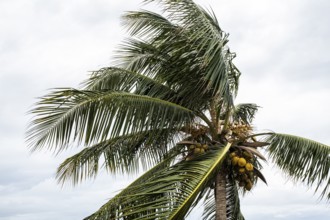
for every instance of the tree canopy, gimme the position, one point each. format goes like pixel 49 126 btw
pixel 168 107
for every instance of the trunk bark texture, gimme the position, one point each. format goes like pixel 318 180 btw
pixel 220 196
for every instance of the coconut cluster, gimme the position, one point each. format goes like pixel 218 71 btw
pixel 240 130
pixel 241 162
pixel 196 149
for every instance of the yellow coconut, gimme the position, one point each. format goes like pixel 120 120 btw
pixel 205 147
pixel 248 185
pixel 234 161
pixel 241 170
pixel 199 145
pixel 191 147
pixel 248 166
pixel 241 162
pixel 233 154
pixel 197 150
pixel 202 150
pixel 247 155
pixel 190 157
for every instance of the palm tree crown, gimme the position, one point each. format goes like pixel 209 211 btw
pixel 168 107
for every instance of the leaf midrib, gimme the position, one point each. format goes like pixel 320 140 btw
pixel 220 157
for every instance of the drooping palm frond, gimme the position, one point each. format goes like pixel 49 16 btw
pixel 232 200
pixel 146 24
pixel 194 50
pixel 206 36
pixel 123 154
pixel 141 56
pixel 209 206
pixel 110 209
pixel 302 159
pixel 172 71
pixel 233 73
pixel 245 112
pixel 176 69
pixel 68 115
pixel 118 79
pixel 167 194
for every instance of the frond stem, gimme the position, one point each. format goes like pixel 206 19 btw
pixel 215 164
pixel 260 134
pixel 209 123
pixel 226 123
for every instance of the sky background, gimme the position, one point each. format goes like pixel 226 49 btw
pixel 283 52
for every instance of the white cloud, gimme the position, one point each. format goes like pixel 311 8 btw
pixel 282 199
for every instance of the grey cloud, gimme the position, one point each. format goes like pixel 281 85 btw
pixel 280 37
pixel 46 199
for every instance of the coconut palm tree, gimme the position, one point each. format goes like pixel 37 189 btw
pixel 168 107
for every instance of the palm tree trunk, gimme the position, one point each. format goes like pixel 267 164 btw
pixel 220 196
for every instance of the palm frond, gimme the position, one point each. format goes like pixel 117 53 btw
pixel 206 36
pixel 302 159
pixel 118 79
pixel 190 52
pixel 167 194
pixel 209 206
pixel 141 56
pixel 68 115
pixel 173 71
pixel 233 73
pixel 122 154
pixel 147 24
pixel 232 199
pixel 245 112
pixel 109 210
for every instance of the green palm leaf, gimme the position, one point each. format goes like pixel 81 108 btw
pixel 209 206
pixel 232 200
pixel 194 53
pixel 205 35
pixel 110 209
pixel 169 193
pixel 142 56
pixel 302 159
pixel 69 115
pixel 122 154
pixel 118 79
pixel 245 112
pixel 169 69
pixel 147 24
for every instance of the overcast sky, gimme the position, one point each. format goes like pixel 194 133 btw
pixel 283 52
